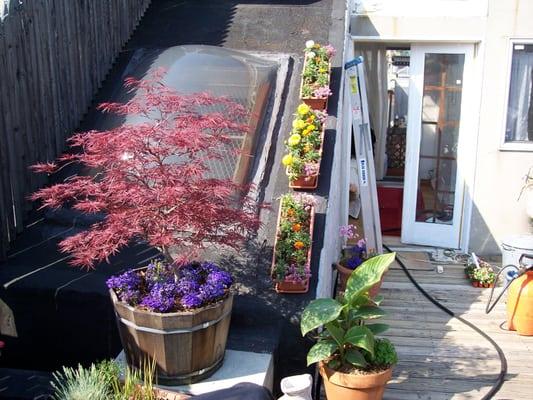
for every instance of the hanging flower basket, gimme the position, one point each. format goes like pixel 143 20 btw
pixel 304 148
pixel 291 259
pixel 314 84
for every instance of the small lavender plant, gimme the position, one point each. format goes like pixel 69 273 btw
pixel 167 288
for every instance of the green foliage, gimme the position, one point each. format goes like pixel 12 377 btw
pixel 384 353
pixel 102 382
pixel 346 339
pixel 83 383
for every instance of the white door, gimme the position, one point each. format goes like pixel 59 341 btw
pixel 439 124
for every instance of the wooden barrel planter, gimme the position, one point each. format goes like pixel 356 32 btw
pixel 291 286
pixel 187 346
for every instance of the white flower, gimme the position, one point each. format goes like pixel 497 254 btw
pixel 309 44
pixel 311 54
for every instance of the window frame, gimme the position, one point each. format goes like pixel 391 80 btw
pixel 510 146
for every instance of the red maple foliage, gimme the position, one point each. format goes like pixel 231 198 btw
pixel 153 180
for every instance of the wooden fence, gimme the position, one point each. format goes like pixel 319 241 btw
pixel 54 54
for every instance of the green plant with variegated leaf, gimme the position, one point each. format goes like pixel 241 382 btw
pixel 348 338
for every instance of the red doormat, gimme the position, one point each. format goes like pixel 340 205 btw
pixel 390 201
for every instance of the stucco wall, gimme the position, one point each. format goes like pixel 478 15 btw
pixel 498 180
pixel 496 212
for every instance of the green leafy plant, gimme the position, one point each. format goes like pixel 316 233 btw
pixel 293 239
pixel 348 342
pixel 481 272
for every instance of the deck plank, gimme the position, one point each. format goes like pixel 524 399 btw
pixel 440 357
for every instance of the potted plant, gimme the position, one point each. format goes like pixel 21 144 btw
pixel 292 247
pixel 304 148
pixel 354 364
pixel 480 273
pixel 352 257
pixel 151 182
pixel 314 86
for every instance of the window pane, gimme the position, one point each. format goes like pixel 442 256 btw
pixel 441 113
pixel 519 126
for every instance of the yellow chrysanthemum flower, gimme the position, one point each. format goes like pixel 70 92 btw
pixel 294 139
pixel 311 128
pixel 303 109
pixel 298 124
pixel 287 160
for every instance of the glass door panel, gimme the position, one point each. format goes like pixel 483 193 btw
pixel 434 184
pixel 441 113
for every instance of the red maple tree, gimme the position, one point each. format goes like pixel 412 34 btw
pixel 152 180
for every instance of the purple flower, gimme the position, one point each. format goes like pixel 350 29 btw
pixel 221 277
pixel 186 286
pixel 163 288
pixel 353 262
pixel 211 292
pixel 162 297
pixel 126 286
pixel 191 300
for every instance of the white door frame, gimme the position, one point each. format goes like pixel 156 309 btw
pixel 457 234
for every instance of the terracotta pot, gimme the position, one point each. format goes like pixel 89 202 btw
pixel 482 285
pixel 303 182
pixel 291 287
pixel 340 386
pixel 344 274
pixel 316 103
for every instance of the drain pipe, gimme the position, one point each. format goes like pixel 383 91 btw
pixel 503 361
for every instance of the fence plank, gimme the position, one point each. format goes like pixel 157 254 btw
pixel 54 55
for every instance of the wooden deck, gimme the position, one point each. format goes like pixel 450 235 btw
pixel 440 357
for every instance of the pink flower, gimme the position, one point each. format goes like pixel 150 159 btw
pixel 348 231
pixel 322 92
pixel 361 243
pixel 330 50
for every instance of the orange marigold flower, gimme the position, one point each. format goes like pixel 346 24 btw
pixel 299 245
pixel 296 228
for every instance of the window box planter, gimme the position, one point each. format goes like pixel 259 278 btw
pixel 304 148
pixel 309 182
pixel 316 103
pixel 296 280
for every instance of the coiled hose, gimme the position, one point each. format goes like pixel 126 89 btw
pixel 503 361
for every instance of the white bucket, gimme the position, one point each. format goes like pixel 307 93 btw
pixel 514 246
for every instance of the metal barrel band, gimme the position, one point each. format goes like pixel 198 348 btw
pixel 193 374
pixel 174 331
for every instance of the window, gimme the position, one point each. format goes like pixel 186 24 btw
pixel 519 123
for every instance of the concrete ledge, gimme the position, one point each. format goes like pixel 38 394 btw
pixel 238 366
